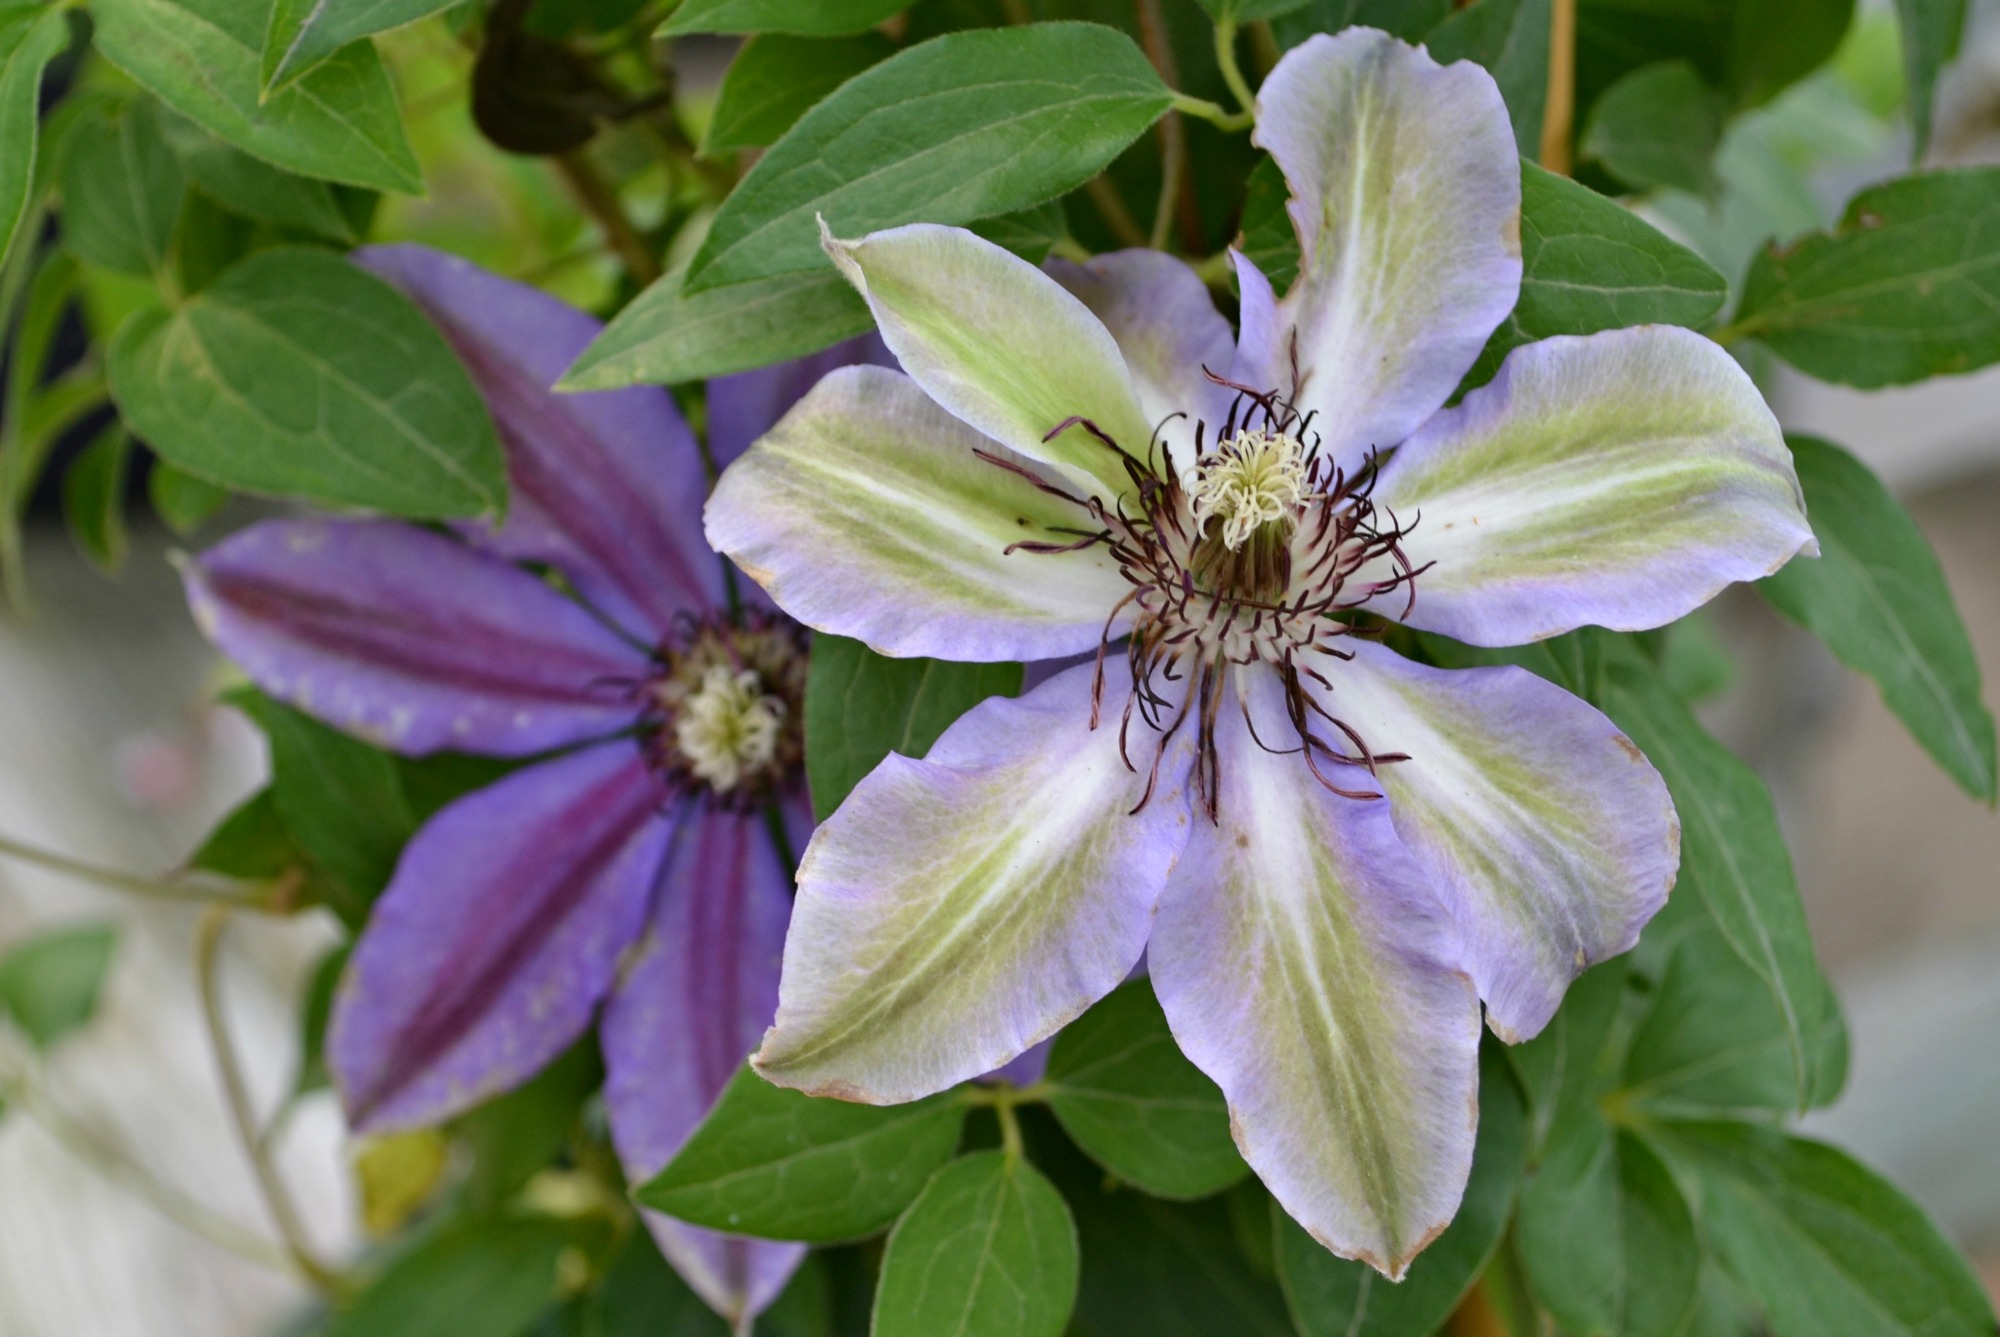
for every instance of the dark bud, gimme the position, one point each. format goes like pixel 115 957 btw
pixel 533 95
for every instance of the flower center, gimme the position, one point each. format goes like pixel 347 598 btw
pixel 1263 554
pixel 728 727
pixel 725 705
pixel 1256 480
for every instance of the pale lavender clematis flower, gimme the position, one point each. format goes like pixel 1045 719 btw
pixel 1331 854
pixel 633 874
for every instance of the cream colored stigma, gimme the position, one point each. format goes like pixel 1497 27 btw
pixel 728 727
pixel 1251 480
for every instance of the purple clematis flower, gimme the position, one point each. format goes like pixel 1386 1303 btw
pixel 1330 854
pixel 636 870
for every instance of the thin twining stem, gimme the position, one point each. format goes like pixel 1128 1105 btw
pixel 122 1170
pixel 236 1094
pixel 248 896
pixel 1232 73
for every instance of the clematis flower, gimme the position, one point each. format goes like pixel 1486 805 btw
pixel 637 869
pixel 1331 854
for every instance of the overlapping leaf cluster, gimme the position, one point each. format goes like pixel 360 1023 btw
pixel 191 193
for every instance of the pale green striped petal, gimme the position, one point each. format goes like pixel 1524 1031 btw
pixel 1549 836
pixel 1620 480
pixel 958 910
pixel 1406 193
pixel 1002 345
pixel 1305 966
pixel 865 512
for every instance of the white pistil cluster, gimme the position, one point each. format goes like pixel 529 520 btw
pixel 1255 478
pixel 728 727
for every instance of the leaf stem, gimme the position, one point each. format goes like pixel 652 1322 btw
pixel 264 896
pixel 1559 111
pixel 120 1169
pixel 1010 1130
pixel 1173 135
pixel 601 202
pixel 1232 73
pixel 236 1094
pixel 1212 112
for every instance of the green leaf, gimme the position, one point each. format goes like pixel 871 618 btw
pixel 962 127
pixel 1589 264
pixel 1906 287
pixel 252 187
pixel 1267 235
pixel 1566 1069
pixel 818 18
pixel 1336 1297
pixel 93 497
pixel 988 1250
pixel 775 79
pixel 49 983
pixel 1751 49
pixel 30 37
pixel 297 374
pixel 515 1135
pixel 1878 598
pixel 252 842
pixel 861 706
pixel 341 799
pixel 203 57
pixel 781 1165
pixel 643 1297
pixel 1714 1041
pixel 303 33
pixel 1122 1089
pixel 1733 857
pixel 1931 33
pixel 315 1011
pixel 1825 1246
pixel 1605 1237
pixel 182 501
pixel 485 1276
pixel 1658 126
pixel 121 191
pixel 666 335
pixel 1511 39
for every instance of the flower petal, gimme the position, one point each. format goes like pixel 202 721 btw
pixel 744 406
pixel 1620 479
pixel 1261 358
pixel 1001 345
pixel 1406 193
pixel 1169 333
pixel 689 1006
pixel 409 639
pixel 605 486
pixel 1304 966
pixel 497 938
pixel 866 512
pixel 1546 832
pixel 958 910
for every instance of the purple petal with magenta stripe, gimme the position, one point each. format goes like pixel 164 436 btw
pixel 497 938
pixel 690 1007
pixel 411 639
pixel 606 486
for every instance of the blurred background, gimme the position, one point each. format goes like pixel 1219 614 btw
pixel 123 1195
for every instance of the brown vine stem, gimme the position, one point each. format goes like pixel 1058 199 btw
pixel 1559 111
pixel 1111 208
pixel 1173 134
pixel 601 202
pixel 236 1094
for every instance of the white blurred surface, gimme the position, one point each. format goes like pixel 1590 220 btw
pixel 108 753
